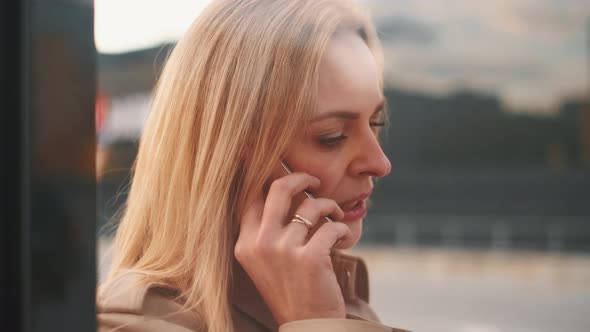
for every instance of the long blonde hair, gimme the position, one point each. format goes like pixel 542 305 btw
pixel 235 91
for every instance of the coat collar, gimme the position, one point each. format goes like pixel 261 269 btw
pixel 350 271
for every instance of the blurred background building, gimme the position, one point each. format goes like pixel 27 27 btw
pixel 485 219
pixel 490 145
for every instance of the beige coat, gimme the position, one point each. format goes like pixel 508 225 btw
pixel 129 306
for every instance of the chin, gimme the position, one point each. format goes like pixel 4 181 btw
pixel 356 230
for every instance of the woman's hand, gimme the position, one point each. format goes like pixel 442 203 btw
pixel 291 267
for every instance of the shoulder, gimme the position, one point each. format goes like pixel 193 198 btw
pixel 351 271
pixel 128 303
pixel 352 275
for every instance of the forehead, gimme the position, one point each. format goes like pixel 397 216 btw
pixel 348 75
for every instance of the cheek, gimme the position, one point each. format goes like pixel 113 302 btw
pixel 330 173
pixel 328 167
pixel 330 181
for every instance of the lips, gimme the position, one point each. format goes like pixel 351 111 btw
pixel 356 214
pixel 355 202
pixel 350 206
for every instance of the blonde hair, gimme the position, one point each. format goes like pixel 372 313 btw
pixel 235 91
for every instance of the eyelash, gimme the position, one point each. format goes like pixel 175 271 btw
pixel 334 141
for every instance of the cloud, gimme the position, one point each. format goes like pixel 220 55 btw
pixel 531 52
pixel 403 29
pixel 536 20
pixel 498 70
pixel 544 19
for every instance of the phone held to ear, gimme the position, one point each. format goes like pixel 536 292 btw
pixel 289 171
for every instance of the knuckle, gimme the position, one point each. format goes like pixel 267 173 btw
pixel 262 248
pixel 306 256
pixel 335 227
pixel 282 249
pixel 311 203
pixel 319 205
pixel 329 204
pixel 239 251
pixel 242 251
pixel 280 186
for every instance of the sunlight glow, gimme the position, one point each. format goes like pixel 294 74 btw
pixel 126 25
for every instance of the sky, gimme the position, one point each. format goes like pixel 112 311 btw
pixel 125 25
pixel 531 53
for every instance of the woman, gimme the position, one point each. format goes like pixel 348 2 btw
pixel 216 235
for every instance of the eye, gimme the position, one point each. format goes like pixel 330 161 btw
pixel 377 119
pixel 332 141
pixel 376 125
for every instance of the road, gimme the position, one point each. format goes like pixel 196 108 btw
pixel 442 290
pixel 479 291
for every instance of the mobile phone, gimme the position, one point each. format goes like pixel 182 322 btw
pixel 289 171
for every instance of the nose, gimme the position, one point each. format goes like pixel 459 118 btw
pixel 370 159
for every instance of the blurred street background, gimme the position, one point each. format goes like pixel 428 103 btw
pixel 458 290
pixel 484 223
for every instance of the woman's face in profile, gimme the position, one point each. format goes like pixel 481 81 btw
pixel 340 145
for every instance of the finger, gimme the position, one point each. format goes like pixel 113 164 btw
pixel 312 209
pixel 280 197
pixel 327 235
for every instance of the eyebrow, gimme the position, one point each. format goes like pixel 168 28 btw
pixel 347 115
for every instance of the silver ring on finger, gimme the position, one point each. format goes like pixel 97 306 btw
pixel 299 219
pixel 301 222
pixel 305 220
